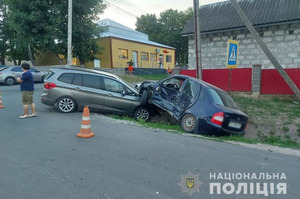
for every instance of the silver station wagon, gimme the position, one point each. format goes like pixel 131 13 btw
pixel 72 88
pixel 9 74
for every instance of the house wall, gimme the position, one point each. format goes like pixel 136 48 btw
pixel 105 56
pixel 284 44
pixel 140 47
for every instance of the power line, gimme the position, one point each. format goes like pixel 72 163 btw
pixel 122 10
pixel 129 5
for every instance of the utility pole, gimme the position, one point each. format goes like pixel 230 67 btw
pixel 266 50
pixel 197 40
pixel 70 33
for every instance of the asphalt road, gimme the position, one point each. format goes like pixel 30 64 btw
pixel 42 158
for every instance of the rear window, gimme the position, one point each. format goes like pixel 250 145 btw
pixel 66 78
pixel 3 68
pixel 222 98
pixel 50 75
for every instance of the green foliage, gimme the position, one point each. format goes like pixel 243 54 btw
pixel 42 24
pixel 285 129
pixel 167 30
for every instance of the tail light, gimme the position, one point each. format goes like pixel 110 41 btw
pixel 49 85
pixel 218 118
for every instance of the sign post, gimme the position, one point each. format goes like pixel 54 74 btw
pixel 232 54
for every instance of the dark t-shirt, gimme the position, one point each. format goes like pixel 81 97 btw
pixel 27 84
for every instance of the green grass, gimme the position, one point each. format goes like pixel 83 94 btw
pixel 271 119
pixel 272 140
pixel 155 125
pixel 141 78
pixel 154 77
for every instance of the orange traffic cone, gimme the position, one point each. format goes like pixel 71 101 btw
pixel 85 131
pixel 1 105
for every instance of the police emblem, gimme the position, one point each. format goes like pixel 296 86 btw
pixel 190 183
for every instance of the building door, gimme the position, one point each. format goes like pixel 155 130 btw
pixel 135 58
pixel 161 61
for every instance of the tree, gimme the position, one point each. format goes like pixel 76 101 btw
pixel 42 26
pixel 3 31
pixel 149 24
pixel 167 30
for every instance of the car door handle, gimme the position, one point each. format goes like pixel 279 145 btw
pixel 109 94
pixel 77 88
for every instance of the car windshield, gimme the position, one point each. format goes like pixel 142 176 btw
pixel 222 98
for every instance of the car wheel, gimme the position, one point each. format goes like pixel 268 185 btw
pixel 10 81
pixel 144 97
pixel 142 113
pixel 66 105
pixel 189 123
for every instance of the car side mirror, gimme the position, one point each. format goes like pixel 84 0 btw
pixel 38 71
pixel 124 92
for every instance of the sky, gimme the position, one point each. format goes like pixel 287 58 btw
pixel 125 12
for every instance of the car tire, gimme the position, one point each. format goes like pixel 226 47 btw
pixel 66 104
pixel 10 81
pixel 144 97
pixel 189 123
pixel 142 113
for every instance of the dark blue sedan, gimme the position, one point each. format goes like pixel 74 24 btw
pixel 201 107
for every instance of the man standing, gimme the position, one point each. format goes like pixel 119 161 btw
pixel 27 88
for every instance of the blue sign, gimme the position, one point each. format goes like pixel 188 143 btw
pixel 232 54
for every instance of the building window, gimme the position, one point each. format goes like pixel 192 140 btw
pixel 168 58
pixel 211 39
pixel 123 53
pixel 234 37
pixel 153 57
pixel 145 56
pixel 261 34
pixel 291 32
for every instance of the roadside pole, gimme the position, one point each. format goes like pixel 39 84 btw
pixel 266 50
pixel 197 40
pixel 70 33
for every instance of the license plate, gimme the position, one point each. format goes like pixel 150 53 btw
pixel 235 125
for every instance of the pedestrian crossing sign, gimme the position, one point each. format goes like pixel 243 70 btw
pixel 232 54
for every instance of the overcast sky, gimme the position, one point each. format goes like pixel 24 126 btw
pixel 126 11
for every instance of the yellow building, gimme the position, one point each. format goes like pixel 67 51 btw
pixel 120 45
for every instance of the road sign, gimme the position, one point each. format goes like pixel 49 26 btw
pixel 232 54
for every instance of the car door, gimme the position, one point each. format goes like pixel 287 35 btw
pixel 119 98
pixel 88 91
pixel 185 98
pixel 35 75
pixel 16 72
pixel 165 94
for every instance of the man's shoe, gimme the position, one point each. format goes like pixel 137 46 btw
pixel 32 115
pixel 23 116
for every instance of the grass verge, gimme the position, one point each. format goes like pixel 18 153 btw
pixel 271 140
